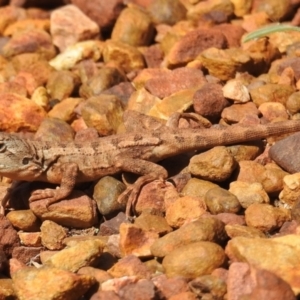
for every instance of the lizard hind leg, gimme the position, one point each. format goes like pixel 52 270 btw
pixel 149 171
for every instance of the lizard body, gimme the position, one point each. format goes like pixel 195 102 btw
pixel 136 152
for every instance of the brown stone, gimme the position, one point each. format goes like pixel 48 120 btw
pixel 65 32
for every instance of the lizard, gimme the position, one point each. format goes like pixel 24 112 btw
pixel 137 152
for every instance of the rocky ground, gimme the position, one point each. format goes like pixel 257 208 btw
pixel 227 225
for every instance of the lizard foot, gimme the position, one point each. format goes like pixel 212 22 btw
pixel 47 194
pixel 132 192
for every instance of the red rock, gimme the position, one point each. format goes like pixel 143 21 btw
pixel 8 236
pixel 65 32
pixel 256 284
pixel 142 290
pixel 193 43
pixel 177 80
pixel 104 13
pixel 26 254
pixel 168 287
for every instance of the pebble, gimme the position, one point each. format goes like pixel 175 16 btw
pixel 194 259
pixel 236 90
pixel 249 281
pixel 137 33
pixel 106 193
pixel 77 211
pixel 266 217
pixel 130 266
pixel 32 283
pixel 216 164
pixel 266 254
pixel 75 257
pixel 24 220
pixel 52 235
pixel 284 154
pixel 203 229
pixel 135 240
pixel 219 200
pixel 65 32
pixel 249 193
pixel 208 101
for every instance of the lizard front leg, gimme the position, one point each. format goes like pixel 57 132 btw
pixel 67 184
pixel 149 171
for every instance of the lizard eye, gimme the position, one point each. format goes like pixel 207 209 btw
pixel 2 147
pixel 25 161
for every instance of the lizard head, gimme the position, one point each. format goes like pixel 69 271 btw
pixel 18 158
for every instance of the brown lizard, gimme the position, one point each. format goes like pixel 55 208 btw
pixel 136 152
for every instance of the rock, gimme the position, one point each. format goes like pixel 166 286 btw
pixel 291 189
pixel 33 64
pixel 6 288
pixel 32 283
pixel 104 79
pixel 136 241
pixel 197 187
pixel 54 130
pixel 208 285
pixel 237 112
pixel 166 11
pixel 224 64
pixel 274 9
pixel 245 231
pixel 194 260
pixel 130 266
pixel 169 287
pixel 24 220
pixel 203 229
pixel 103 112
pixel 9 15
pixel 216 164
pixel 254 283
pixel 284 154
pixel 155 223
pixel 143 289
pixel 103 13
pixel 30 239
pixel 111 226
pixel 127 57
pixel 231 219
pixel 73 54
pixel 66 32
pixel 193 43
pixel 106 193
pixel 249 193
pixel 266 217
pixel 219 200
pixel 52 235
pixel 30 41
pixel 18 113
pixel 270 175
pixel 61 84
pixel 267 92
pixel 293 103
pixel 78 211
pixel 177 102
pixel 208 101
pixel 279 256
pixel 179 79
pixel 65 110
pixel 8 236
pixel 273 110
pixel 153 56
pixel 133 27
pixel 235 90
pixel 72 259
pixel 185 209
pixel 26 255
